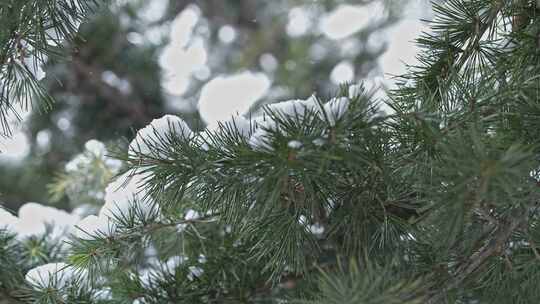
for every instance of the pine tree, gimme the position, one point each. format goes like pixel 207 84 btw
pixel 325 200
pixel 110 79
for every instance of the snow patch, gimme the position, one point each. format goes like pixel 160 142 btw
pixel 92 226
pixel 34 219
pixel 225 96
pixel 7 220
pixel 156 132
pixel 335 109
pixel 56 275
pixel 294 144
pixel 337 24
pixel 122 194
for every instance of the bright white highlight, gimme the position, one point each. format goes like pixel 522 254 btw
pixel 91 226
pixel 299 22
pixel 335 109
pixel 55 275
pixel 122 194
pixel 34 218
pixel 43 139
pixel 227 34
pixel 14 148
pixel 95 147
pixel 159 130
pixel 183 25
pixel 401 49
pixel 346 20
pixel 185 54
pixel 7 220
pixel 342 72
pixel 153 10
pixel 179 63
pixel 294 107
pixel 268 62
pixel 63 124
pixel 294 144
pixel 355 91
pixel 224 96
pixel 113 80
pixel 41 276
pixel 135 38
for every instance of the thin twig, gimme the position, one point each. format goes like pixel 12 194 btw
pixel 157 226
pixel 493 247
pixel 479 32
pixel 533 247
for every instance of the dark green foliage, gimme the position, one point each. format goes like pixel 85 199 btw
pixel 369 284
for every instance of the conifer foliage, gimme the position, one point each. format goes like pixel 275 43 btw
pixel 32 32
pixel 324 200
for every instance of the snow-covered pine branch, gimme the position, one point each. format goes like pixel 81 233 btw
pixel 322 200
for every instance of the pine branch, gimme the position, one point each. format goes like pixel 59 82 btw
pixel 521 19
pixel 155 226
pixel 5 294
pixel 480 29
pixel 492 247
pixel 33 31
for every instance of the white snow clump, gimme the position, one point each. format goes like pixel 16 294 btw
pixel 122 194
pixel 355 90
pixel 91 226
pixel 56 275
pixel 34 218
pixel 7 220
pixel 93 149
pixel 157 132
pixel 294 144
pixel 331 112
pixel 335 109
